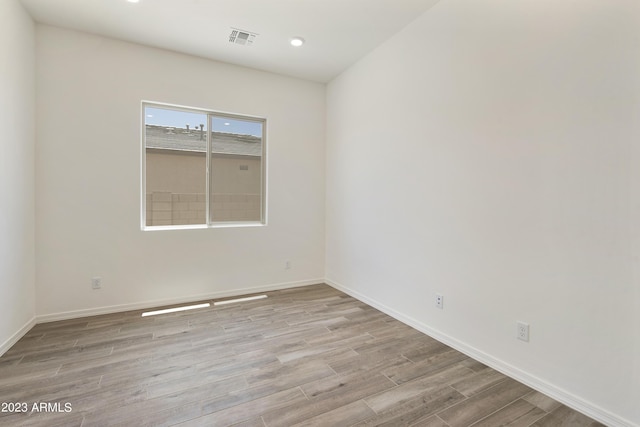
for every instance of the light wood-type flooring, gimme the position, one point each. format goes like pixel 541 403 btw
pixel 309 356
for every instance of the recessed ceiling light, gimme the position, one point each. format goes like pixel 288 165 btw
pixel 297 41
pixel 133 1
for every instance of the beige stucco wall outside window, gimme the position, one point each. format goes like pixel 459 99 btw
pixel 180 190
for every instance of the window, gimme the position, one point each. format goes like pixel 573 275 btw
pixel 202 168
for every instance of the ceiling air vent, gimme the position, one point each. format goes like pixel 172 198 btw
pixel 242 37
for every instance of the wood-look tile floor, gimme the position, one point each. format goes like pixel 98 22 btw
pixel 309 356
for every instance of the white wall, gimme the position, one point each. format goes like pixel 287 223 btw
pixel 17 122
pixel 89 91
pixel 488 152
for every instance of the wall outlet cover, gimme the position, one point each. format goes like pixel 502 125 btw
pixel 523 331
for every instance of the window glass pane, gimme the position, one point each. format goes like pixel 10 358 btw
pixel 236 169
pixel 175 148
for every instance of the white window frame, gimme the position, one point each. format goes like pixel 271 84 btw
pixel 209 223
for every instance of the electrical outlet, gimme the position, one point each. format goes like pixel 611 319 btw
pixel 96 283
pixel 439 301
pixel 523 331
pixel 287 265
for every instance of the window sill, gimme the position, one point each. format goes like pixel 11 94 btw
pixel 203 226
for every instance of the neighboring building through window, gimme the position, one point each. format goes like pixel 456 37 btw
pixel 202 167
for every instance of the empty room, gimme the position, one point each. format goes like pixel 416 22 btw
pixel 321 213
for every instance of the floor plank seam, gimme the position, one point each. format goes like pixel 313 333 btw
pixel 544 414
pixel 443 421
pixel 496 411
pixel 305 394
pixel 364 400
pixel 395 383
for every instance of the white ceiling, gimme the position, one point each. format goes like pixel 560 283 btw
pixel 338 32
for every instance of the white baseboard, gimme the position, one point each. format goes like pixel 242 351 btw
pixel 157 303
pixel 16 337
pixel 557 393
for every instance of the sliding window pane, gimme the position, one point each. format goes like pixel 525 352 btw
pixel 176 167
pixel 236 171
